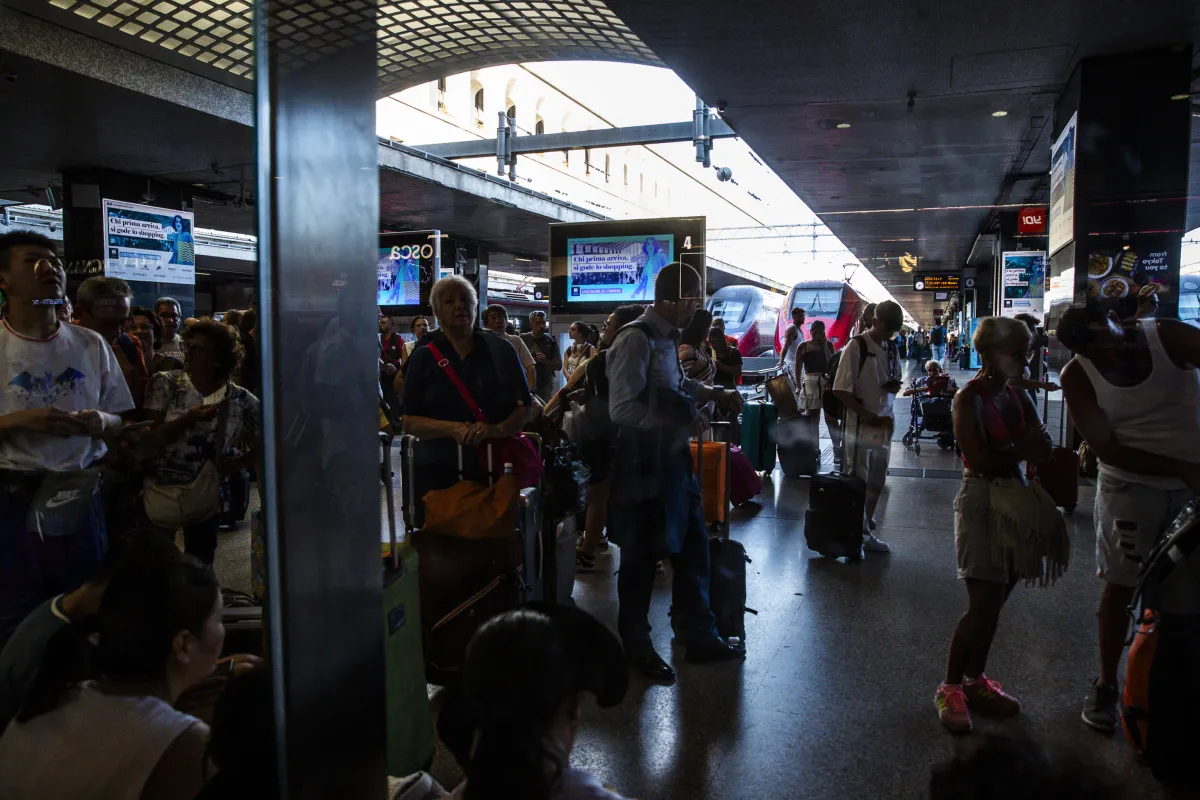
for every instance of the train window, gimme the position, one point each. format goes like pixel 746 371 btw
pixel 767 316
pixel 816 301
pixel 1189 307
pixel 729 309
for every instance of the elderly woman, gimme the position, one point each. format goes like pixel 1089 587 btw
pixel 190 405
pixel 485 366
pixel 935 381
pixel 145 326
pixel 1005 529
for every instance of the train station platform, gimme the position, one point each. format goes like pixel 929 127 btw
pixel 835 698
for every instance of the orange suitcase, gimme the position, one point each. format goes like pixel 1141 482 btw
pixel 710 460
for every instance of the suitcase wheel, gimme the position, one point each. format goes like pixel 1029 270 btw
pixel 907 440
pixel 917 448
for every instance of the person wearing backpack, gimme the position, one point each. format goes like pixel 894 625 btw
pixel 937 340
pixel 867 379
pixel 1133 392
pixel 588 386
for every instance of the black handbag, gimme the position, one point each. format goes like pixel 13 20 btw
pixel 565 481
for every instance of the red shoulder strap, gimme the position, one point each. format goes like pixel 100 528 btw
pixel 444 363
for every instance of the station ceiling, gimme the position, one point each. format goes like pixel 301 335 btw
pixel 917 172
pixel 791 73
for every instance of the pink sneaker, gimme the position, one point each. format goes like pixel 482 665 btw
pixel 988 697
pixel 951 704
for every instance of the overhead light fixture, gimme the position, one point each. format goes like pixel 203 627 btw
pixel 1000 113
pixel 843 125
pixel 1180 96
pixel 523 260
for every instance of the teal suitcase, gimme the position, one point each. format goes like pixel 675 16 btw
pixel 410 739
pixel 758 434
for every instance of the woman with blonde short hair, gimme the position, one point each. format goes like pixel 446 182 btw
pixel 1005 529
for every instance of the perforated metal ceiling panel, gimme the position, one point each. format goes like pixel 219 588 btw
pixel 419 40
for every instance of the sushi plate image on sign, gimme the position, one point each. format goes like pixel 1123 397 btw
pixel 144 243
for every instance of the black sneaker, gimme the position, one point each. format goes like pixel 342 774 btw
pixel 583 562
pixel 1100 708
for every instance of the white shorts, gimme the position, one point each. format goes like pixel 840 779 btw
pixel 1129 518
pixel 812 393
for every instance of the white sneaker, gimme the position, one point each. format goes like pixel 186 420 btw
pixel 873 544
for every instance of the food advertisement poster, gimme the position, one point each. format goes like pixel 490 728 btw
pixel 616 268
pixel 1142 272
pixel 1062 187
pixel 1023 279
pixel 144 243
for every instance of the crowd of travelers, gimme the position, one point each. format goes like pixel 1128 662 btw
pixel 111 677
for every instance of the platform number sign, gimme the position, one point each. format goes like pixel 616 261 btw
pixel 687 243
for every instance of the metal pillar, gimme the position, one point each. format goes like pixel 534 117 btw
pixel 318 204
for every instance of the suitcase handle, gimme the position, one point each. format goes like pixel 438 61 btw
pixel 385 444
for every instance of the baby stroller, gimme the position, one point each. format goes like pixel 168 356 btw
pixel 931 417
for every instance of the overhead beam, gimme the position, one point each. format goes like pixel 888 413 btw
pixel 579 140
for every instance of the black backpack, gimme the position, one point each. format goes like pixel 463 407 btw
pixel 1162 698
pixel 727 587
pixel 937 336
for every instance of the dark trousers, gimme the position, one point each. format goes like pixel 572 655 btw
pixel 34 568
pixel 199 539
pixel 689 590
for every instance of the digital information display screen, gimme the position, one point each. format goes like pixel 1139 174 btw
pixel 934 282
pixel 405 268
pixel 616 268
pixel 598 266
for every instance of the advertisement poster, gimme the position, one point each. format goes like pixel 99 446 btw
pixel 1123 275
pixel 144 243
pixel 1062 187
pixel 616 268
pixel 1023 282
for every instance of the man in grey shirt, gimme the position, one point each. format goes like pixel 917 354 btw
pixel 655 509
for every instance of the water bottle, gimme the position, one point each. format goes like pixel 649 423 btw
pixel 508 468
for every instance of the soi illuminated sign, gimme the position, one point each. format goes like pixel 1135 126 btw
pixel 936 282
pixel 1031 221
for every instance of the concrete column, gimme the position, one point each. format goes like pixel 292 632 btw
pixel 318 206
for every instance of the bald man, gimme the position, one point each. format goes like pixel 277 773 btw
pixel 655 510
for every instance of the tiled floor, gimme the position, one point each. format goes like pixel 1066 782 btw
pixel 835 698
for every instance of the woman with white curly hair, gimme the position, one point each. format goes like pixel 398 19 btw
pixel 1005 528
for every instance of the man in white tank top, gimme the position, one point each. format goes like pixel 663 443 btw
pixel 1133 391
pixel 792 338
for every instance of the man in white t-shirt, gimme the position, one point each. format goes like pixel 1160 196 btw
pixel 61 391
pixel 866 384
pixel 171 314
pixel 495 318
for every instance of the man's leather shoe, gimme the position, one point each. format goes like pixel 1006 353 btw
pixel 715 650
pixel 651 664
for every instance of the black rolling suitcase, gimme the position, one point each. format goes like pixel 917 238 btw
pixel 799 453
pixel 837 509
pixel 727 587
